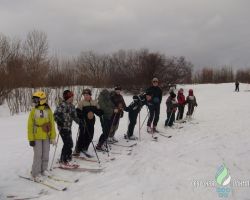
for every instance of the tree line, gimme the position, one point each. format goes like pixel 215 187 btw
pixel 27 63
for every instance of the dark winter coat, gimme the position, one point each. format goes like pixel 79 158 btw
pixel 87 109
pixel 156 94
pixel 134 107
pixel 117 100
pixel 171 104
pixel 119 103
pixel 105 103
pixel 64 114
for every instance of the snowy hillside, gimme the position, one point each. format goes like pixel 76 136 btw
pixel 166 169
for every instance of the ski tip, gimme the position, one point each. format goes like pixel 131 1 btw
pixel 76 181
pixel 64 189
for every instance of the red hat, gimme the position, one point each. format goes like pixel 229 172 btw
pixel 190 92
pixel 67 94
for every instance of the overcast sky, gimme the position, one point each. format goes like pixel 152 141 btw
pixel 206 32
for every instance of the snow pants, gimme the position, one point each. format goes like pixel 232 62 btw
pixel 66 136
pixel 41 157
pixel 154 113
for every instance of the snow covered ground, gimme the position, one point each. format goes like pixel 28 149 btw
pixel 167 169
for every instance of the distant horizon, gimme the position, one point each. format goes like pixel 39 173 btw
pixel 207 33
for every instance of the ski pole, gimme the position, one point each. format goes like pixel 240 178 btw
pixel 92 142
pixel 77 136
pixel 110 128
pixel 139 125
pixel 169 118
pixel 193 113
pixel 144 120
pixel 104 132
pixel 54 153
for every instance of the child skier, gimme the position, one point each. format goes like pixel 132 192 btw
pixel 191 101
pixel 133 110
pixel 119 103
pixel 105 103
pixel 41 133
pixel 181 104
pixel 171 109
pixel 64 114
pixel 85 111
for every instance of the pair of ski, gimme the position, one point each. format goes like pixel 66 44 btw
pixel 155 138
pixel 80 169
pixel 15 197
pixel 51 180
pixel 48 183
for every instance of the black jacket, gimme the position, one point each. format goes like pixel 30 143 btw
pixel 156 94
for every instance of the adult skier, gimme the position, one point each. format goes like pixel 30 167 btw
pixel 237 86
pixel 154 111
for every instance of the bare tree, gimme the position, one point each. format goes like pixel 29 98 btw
pixel 35 50
pixel 92 67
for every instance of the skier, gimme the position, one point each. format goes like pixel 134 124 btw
pixel 85 111
pixel 41 133
pixel 133 110
pixel 64 114
pixel 119 103
pixel 181 104
pixel 237 86
pixel 171 109
pixel 154 111
pixel 105 103
pixel 191 101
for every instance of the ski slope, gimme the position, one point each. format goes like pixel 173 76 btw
pixel 166 169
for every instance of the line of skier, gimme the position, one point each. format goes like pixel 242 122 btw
pixel 109 107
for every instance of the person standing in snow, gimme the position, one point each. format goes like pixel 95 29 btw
pixel 237 86
pixel 133 110
pixel 171 109
pixel 181 104
pixel 41 133
pixel 154 111
pixel 64 115
pixel 118 101
pixel 191 102
pixel 105 103
pixel 86 110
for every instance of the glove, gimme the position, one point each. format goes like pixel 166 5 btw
pixel 53 142
pixel 116 110
pixel 32 143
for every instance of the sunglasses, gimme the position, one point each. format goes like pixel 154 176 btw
pixel 155 81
